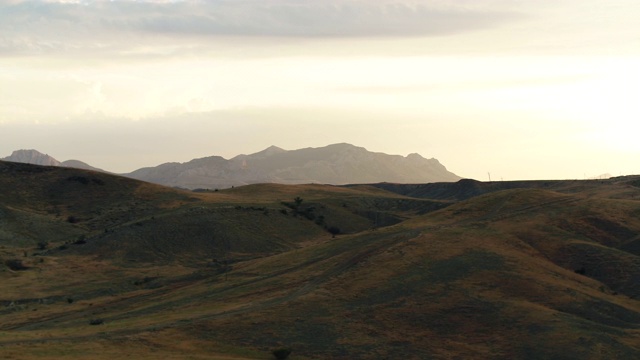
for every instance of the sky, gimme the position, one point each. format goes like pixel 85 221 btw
pixel 512 89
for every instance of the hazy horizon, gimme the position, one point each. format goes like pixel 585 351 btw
pixel 521 90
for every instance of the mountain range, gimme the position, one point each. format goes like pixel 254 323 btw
pixel 336 164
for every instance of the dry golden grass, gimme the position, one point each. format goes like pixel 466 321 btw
pixel 490 277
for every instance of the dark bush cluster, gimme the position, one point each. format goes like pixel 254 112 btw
pixel 252 208
pixel 296 207
pixel 96 322
pixel 15 265
pixel 85 180
pixel 145 280
pixel 333 230
pixel 308 212
pixel 281 353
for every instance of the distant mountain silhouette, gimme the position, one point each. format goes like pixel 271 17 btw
pixel 336 164
pixel 32 157
pixel 37 158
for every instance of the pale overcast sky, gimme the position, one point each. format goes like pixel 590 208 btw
pixel 545 89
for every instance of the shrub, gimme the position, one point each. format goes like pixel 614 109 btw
pixel 82 239
pixel 333 230
pixel 81 179
pixel 96 322
pixel 308 213
pixel 42 245
pixel 15 265
pixel 281 353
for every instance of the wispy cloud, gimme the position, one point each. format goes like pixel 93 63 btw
pixel 49 26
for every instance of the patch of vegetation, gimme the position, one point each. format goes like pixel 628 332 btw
pixel 333 230
pixel 15 265
pixel 145 280
pixel 281 353
pixel 85 180
pixel 82 239
pixel 307 212
pixel 96 322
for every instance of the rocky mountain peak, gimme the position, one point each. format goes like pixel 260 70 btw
pixel 32 157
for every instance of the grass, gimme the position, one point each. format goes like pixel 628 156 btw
pixel 487 277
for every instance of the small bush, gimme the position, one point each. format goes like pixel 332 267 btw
pixel 281 353
pixel 145 280
pixel 85 180
pixel 80 179
pixel 82 239
pixel 96 322
pixel 333 230
pixel 15 265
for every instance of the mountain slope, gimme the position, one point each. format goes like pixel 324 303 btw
pixel 37 158
pixel 334 164
pixel 32 157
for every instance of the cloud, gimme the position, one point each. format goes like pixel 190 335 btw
pixel 62 26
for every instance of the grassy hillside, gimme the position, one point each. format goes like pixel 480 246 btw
pixel 531 273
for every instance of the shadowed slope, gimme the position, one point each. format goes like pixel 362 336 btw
pixel 625 187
